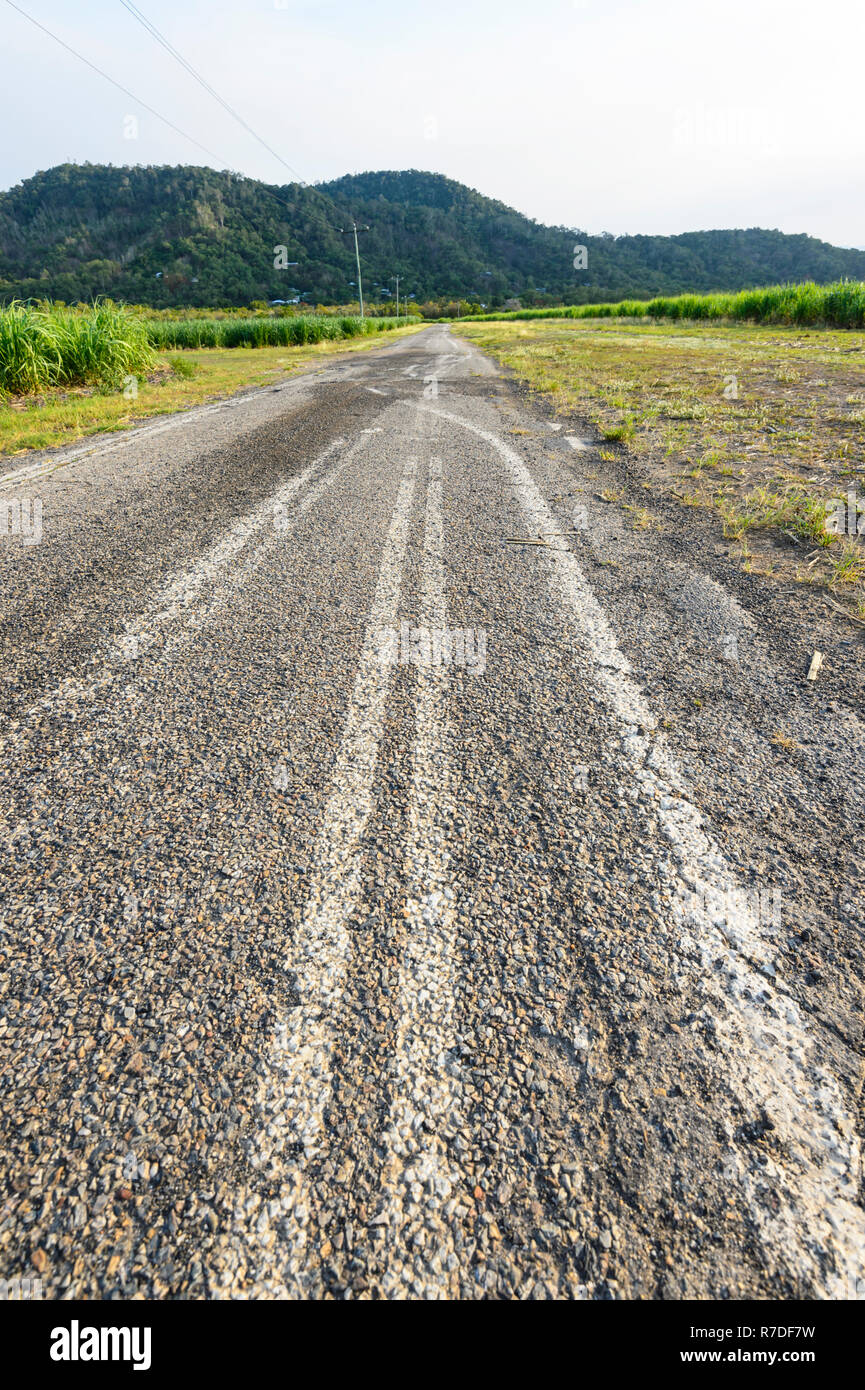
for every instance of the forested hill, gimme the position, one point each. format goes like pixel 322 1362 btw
pixel 186 235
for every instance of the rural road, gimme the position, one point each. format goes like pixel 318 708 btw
pixel 417 880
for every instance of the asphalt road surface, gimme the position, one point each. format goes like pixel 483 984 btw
pixel 418 880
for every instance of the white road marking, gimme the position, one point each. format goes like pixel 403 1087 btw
pixel 418 1176
pixel 818 1231
pixel 298 1071
pixel 123 438
pixel 176 598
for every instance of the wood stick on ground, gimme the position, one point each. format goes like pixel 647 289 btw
pixel 816 663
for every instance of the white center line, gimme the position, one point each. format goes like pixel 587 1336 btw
pixel 298 1072
pixel 418 1175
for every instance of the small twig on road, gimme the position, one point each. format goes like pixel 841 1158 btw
pixel 814 668
pixel 846 612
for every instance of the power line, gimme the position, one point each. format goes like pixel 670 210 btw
pixel 144 104
pixel 118 85
pixel 169 48
pixel 125 90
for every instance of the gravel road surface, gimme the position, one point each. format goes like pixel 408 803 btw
pixel 418 879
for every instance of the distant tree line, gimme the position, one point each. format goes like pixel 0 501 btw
pixel 186 236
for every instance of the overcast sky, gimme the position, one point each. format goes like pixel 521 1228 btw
pixel 607 115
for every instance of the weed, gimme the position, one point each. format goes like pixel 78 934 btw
pixel 641 519
pixel 785 741
pixel 622 432
pixel 182 367
pixel 793 510
pixel 848 567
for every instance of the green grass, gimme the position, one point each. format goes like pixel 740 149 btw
pixel 791 510
pixel 849 566
pixel 45 348
pixel 182 367
pixel 621 433
pixel 838 305
pixel 773 460
pixel 260 331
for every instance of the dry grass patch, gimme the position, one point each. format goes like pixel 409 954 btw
pixel 773 415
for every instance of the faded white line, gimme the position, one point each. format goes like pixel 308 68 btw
pixel 298 1070
pixel 179 593
pixel 176 599
pixel 419 1176
pixel 123 439
pixel 817 1233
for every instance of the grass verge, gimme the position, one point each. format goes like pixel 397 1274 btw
pixel 761 426
pixel 837 305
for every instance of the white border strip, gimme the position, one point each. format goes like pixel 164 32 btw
pixel 817 1233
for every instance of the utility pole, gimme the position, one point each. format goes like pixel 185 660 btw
pixel 397 278
pixel 345 231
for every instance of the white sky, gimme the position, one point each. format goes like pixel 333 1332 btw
pixel 617 115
